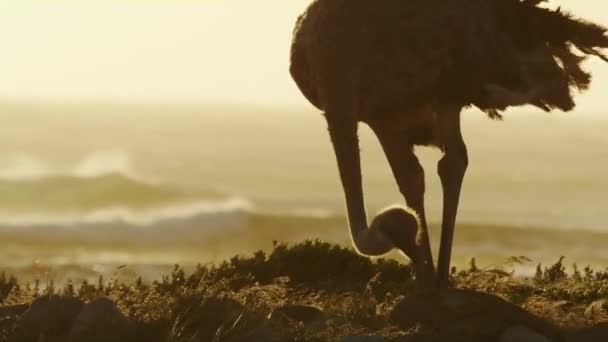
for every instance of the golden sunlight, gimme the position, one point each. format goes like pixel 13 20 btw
pixel 208 51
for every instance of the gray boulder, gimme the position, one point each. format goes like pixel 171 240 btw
pixel 366 338
pixel 49 316
pixel 521 333
pixel 468 315
pixel 594 333
pixel 308 315
pixel 97 320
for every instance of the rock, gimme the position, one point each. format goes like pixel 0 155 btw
pixel 207 320
pixel 465 314
pixel 272 329
pixel 264 334
pixel 49 316
pixel 309 315
pixel 367 338
pixel 591 334
pixel 597 311
pixel 521 333
pixel 98 318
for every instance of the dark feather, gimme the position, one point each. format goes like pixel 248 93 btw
pixel 489 53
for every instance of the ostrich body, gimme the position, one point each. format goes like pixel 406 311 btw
pixel 407 68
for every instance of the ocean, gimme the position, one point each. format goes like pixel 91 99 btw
pixel 88 187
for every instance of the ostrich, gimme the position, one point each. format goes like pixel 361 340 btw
pixel 407 68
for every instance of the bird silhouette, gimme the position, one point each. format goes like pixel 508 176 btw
pixel 407 68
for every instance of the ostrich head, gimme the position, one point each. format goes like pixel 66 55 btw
pixel 400 226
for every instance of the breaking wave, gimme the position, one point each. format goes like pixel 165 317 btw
pixel 73 193
pixel 175 225
pixel 101 180
pixel 99 163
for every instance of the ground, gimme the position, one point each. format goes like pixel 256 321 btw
pixel 313 291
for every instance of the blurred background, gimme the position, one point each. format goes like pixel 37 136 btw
pixel 152 132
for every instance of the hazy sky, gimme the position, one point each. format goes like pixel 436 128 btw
pixel 218 51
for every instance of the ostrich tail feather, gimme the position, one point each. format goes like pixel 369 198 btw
pixel 551 45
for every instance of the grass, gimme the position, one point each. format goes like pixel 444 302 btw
pixel 239 299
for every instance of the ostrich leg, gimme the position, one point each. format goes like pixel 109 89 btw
pixel 409 175
pixel 451 168
pixel 343 133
